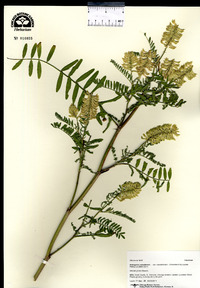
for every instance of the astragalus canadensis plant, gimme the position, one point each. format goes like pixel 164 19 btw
pixel 153 80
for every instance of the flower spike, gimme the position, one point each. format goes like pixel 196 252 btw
pixel 172 35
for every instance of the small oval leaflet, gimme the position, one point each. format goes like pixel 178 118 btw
pixel 59 81
pixel 51 52
pixel 39 49
pixel 39 69
pixel 66 67
pixel 68 87
pixel 30 68
pixel 24 50
pixel 85 75
pixel 17 64
pixel 33 50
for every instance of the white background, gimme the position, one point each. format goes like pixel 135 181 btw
pixel 39 162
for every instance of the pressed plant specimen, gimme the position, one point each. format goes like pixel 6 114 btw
pixel 153 80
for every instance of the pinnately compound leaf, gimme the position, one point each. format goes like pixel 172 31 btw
pixel 51 52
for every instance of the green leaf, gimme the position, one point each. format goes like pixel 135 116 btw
pixel 91 80
pixel 155 172
pixel 24 50
pixel 69 65
pixel 80 101
pixel 137 162
pixel 30 68
pixel 99 234
pixel 165 173
pixel 111 100
pixel 98 140
pixel 108 124
pixel 17 64
pixel 98 117
pixel 116 86
pixel 144 166
pixel 33 50
pixel 170 173
pixel 126 73
pixel 39 49
pixel 158 186
pixel 85 75
pixel 75 67
pixel 100 84
pixel 59 81
pixel 168 186
pixel 92 208
pixel 68 87
pixel 51 52
pixel 149 171
pixel 75 93
pixel 119 213
pixel 39 69
pixel 160 173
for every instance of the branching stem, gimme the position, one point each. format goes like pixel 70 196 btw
pixel 53 66
pixel 72 205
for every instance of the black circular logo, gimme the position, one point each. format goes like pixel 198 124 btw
pixel 23 21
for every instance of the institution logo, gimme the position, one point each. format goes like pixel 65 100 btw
pixel 22 22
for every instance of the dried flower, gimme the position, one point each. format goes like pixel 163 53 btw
pixel 89 107
pixel 172 35
pixel 184 71
pixel 129 190
pixel 160 133
pixel 172 71
pixel 170 68
pixel 73 111
pixel 130 60
pixel 145 62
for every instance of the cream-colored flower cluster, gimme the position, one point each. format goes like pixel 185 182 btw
pixel 144 62
pixel 130 60
pixel 140 64
pixel 161 133
pixel 88 109
pixel 172 35
pixel 129 190
pixel 173 71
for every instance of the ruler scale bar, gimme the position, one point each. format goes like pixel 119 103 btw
pixel 106 15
